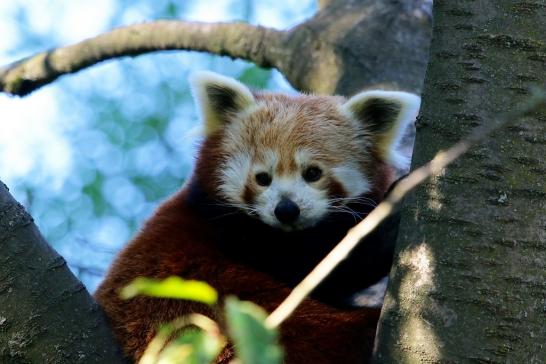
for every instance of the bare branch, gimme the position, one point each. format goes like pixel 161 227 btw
pixel 415 178
pixel 237 40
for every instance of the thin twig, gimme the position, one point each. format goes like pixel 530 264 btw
pixel 383 210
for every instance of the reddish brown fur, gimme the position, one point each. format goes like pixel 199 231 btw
pixel 182 240
pixel 335 189
pixel 176 242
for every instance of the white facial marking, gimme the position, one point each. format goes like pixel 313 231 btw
pixel 302 157
pixel 234 177
pixel 270 160
pixel 312 203
pixel 352 180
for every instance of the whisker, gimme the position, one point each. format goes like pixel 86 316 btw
pixel 366 201
pixel 223 215
pixel 344 209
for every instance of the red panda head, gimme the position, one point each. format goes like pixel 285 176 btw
pixel 291 160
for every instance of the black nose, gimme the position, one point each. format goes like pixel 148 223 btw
pixel 287 211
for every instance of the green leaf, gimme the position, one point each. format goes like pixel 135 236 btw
pixel 255 76
pixel 254 343
pixel 192 347
pixel 172 287
pixel 200 341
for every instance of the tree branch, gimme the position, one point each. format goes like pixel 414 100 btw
pixel 46 314
pixel 342 49
pixel 237 40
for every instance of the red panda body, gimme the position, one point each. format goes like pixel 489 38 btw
pixel 278 182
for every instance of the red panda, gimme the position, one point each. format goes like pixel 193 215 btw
pixel 278 181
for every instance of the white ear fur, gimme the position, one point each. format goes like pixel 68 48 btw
pixel 386 114
pixel 219 97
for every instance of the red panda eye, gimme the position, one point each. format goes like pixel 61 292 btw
pixel 312 174
pixel 263 179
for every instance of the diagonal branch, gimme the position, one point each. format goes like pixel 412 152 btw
pixel 384 209
pixel 237 40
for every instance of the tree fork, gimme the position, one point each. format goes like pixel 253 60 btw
pixel 343 48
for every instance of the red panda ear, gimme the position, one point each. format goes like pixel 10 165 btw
pixel 385 115
pixel 219 98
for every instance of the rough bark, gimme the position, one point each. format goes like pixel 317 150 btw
pixel 342 49
pixel 46 314
pixel 468 285
pixel 354 44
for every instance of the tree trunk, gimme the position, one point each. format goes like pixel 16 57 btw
pixel 469 281
pixel 46 314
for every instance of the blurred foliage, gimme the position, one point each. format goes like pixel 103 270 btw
pixel 254 342
pixel 172 287
pixel 129 124
pixel 191 347
pixel 191 339
pixel 196 339
pixel 255 77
